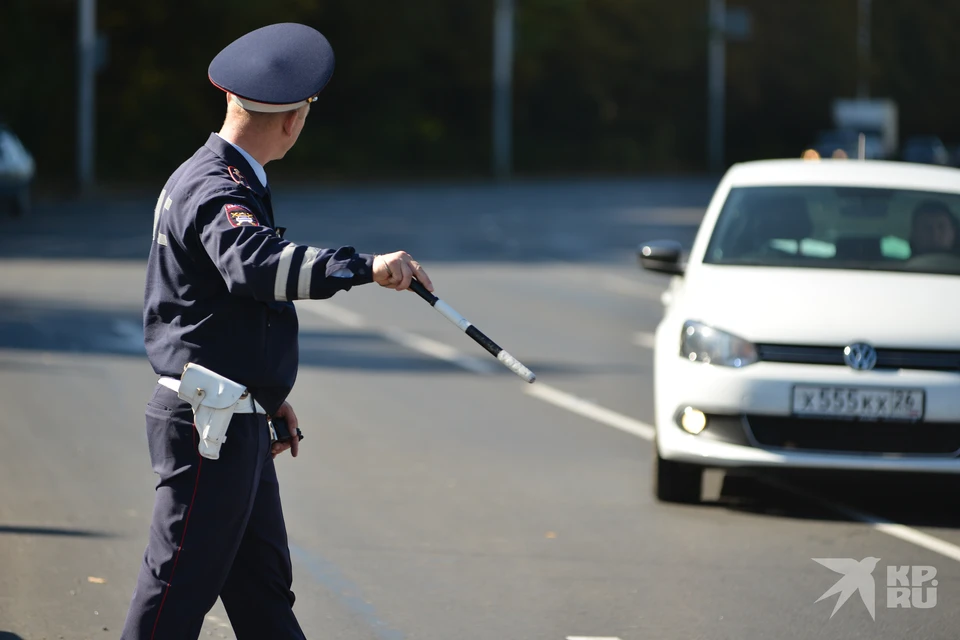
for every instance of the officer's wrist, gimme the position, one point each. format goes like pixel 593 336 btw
pixel 364 270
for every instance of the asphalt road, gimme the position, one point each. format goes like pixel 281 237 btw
pixel 437 496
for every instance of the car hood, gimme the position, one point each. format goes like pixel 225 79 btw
pixel 824 306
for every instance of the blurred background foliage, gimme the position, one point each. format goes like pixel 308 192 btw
pixel 600 86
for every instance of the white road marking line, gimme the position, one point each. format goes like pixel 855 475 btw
pixel 911 535
pixel 616 420
pixel 426 346
pixel 591 638
pixel 892 529
pixel 590 410
pixel 439 350
pixel 645 339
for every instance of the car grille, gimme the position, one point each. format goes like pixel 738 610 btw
pixel 935 438
pixel 886 358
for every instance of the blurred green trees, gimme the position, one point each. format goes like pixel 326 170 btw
pixel 601 86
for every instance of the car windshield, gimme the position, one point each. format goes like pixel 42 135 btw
pixel 838 228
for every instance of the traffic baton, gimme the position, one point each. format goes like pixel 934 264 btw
pixel 471 330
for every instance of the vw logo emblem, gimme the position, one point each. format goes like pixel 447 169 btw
pixel 860 356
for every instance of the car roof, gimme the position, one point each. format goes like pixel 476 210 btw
pixel 837 172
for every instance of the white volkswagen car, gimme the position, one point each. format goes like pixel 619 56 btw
pixel 815 323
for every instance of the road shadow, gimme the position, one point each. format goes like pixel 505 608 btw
pixel 591 221
pixel 371 351
pixel 918 500
pixel 22 530
pixel 6 635
pixel 47 326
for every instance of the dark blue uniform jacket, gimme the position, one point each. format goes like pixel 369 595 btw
pixel 220 278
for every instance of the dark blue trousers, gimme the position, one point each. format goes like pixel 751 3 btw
pixel 217 530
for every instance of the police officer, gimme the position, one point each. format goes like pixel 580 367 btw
pixel 220 281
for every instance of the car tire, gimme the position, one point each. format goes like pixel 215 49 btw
pixel 678 482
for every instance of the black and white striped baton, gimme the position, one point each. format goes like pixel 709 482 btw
pixel 467 327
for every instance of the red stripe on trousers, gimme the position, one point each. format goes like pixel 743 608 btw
pixel 183 536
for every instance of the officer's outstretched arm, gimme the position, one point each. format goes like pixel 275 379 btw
pixel 254 261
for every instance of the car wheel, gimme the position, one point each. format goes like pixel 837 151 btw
pixel 676 481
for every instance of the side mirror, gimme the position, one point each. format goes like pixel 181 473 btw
pixel 662 256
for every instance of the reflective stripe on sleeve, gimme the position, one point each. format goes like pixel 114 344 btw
pixel 283 272
pixel 306 273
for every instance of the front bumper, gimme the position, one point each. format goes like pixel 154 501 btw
pixel 753 407
pixel 709 453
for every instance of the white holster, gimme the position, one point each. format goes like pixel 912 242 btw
pixel 214 400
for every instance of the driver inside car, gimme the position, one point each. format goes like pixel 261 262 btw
pixel 933 229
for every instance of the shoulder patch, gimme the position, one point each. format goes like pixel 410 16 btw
pixel 238 177
pixel 240 216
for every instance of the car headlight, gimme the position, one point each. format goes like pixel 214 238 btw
pixel 703 343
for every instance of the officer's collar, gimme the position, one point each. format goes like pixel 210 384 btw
pixel 241 170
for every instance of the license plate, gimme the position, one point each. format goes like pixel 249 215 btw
pixel 858 403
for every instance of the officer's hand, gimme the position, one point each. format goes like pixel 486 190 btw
pixel 286 412
pixel 396 270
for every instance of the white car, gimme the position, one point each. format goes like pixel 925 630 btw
pixel 814 324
